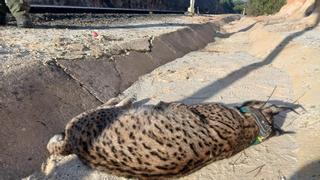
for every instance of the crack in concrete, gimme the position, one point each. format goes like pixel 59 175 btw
pixel 150 40
pixel 56 65
pixel 118 88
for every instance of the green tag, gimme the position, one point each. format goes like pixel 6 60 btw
pixel 258 140
pixel 244 110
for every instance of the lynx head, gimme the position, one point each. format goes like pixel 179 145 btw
pixel 268 110
pixel 264 114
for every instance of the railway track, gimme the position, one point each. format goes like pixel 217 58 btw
pixel 96 10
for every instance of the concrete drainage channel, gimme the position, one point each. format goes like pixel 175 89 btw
pixel 37 100
pixel 105 78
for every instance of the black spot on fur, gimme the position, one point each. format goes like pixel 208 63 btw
pixel 121 124
pixel 185 140
pixel 131 136
pixel 145 146
pixel 160 130
pixel 139 160
pixel 193 148
pixel 154 153
pixel 161 167
pixel 117 131
pixel 113 149
pixel 97 148
pixel 115 163
pixel 101 156
pixel 130 149
pixel 200 144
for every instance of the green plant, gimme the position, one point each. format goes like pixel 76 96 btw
pixel 264 7
pixel 227 5
pixel 239 6
pixel 232 6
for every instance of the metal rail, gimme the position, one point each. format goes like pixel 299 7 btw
pixel 96 10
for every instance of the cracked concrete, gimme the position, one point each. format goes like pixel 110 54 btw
pixel 137 58
pixel 65 70
pixel 103 82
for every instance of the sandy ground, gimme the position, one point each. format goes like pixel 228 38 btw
pixel 256 55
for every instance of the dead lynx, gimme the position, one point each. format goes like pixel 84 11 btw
pixel 163 141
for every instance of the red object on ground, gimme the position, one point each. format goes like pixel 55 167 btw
pixel 95 34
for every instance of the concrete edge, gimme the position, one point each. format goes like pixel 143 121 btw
pixel 106 77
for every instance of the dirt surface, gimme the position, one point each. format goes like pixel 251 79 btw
pixel 254 56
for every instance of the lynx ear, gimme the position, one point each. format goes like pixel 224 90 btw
pixel 278 109
pixel 278 131
pixel 162 105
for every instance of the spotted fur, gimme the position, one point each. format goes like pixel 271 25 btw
pixel 154 142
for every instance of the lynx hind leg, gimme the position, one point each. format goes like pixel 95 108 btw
pixel 113 101
pixel 58 146
pixel 126 102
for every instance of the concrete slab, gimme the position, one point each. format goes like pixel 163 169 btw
pixel 98 76
pixel 163 53
pixel 132 66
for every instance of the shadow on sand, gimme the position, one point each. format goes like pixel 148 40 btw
pixel 222 83
pixel 310 171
